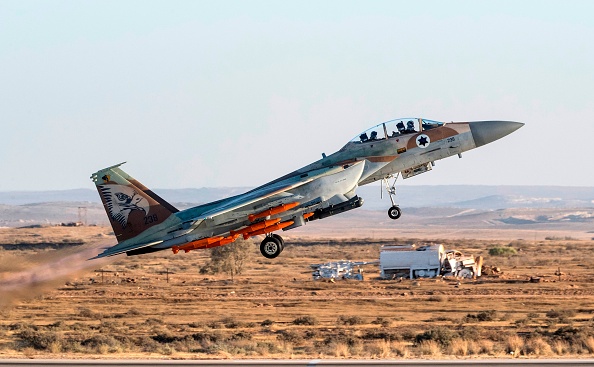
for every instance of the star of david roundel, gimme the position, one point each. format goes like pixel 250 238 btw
pixel 423 141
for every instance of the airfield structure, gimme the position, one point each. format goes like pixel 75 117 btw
pixel 426 261
pixel 343 269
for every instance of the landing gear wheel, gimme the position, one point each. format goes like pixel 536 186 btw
pixel 282 242
pixel 394 212
pixel 271 247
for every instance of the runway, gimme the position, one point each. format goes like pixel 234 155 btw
pixel 295 363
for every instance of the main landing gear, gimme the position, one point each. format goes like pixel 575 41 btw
pixel 272 246
pixel 394 212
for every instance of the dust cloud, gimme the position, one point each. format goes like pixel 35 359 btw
pixel 27 277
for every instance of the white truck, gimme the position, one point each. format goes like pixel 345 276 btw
pixel 426 261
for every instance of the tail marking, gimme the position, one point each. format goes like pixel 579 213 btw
pixel 121 201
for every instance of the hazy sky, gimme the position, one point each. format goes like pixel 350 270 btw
pixel 237 93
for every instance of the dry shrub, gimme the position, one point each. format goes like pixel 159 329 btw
pixel 266 322
pixel 147 344
pixel 400 348
pixel 458 347
pixel 186 344
pixel 471 332
pixel 352 320
pixel 167 350
pixel 230 259
pixel 102 344
pixel 335 344
pixel 286 348
pixel 133 312
pixel 429 348
pixel 436 299
pixel 502 251
pixel 153 321
pixel 481 316
pixel 486 346
pixel 575 337
pixel 537 346
pixel 207 338
pixel 266 348
pixel 560 347
pixel 39 340
pixel 87 313
pixel 288 336
pixel 514 345
pixel 589 344
pixel 102 349
pixel 440 334
pixel 231 323
pixel 29 352
pixel 382 321
pixel 55 347
pixel 341 350
pixel 473 347
pixel 381 334
pixel 241 335
pixel 559 314
pixel 305 320
pixel 378 349
pixel 165 338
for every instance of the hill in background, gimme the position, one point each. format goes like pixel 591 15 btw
pixel 446 206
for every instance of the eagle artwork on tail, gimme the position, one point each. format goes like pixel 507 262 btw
pixel 121 201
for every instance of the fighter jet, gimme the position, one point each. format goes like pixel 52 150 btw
pixel 143 222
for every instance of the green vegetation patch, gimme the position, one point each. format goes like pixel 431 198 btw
pixel 503 251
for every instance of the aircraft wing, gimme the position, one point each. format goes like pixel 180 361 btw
pixel 265 192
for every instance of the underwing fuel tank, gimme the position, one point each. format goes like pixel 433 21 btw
pixel 353 203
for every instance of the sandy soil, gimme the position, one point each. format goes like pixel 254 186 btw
pixel 55 303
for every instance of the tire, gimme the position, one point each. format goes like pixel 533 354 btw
pixel 271 247
pixel 282 242
pixel 394 212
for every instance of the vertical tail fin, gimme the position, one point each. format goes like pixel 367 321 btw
pixel 131 207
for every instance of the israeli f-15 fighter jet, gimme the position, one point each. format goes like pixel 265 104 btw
pixel 143 222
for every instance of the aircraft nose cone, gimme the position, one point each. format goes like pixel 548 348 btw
pixel 485 132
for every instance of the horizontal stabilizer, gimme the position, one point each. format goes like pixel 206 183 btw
pixel 116 250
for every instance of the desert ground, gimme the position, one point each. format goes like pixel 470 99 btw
pixel 57 304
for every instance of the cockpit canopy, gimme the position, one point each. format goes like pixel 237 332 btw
pixel 395 128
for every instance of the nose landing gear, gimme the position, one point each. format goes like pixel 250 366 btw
pixel 394 212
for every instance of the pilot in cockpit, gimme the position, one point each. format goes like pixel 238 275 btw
pixel 373 135
pixel 401 128
pixel 410 127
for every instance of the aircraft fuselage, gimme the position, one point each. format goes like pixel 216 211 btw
pixel 321 189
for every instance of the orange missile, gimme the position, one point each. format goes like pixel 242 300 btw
pixel 205 243
pixel 269 229
pixel 256 226
pixel 272 211
pixel 223 242
pixel 307 215
pixel 196 244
